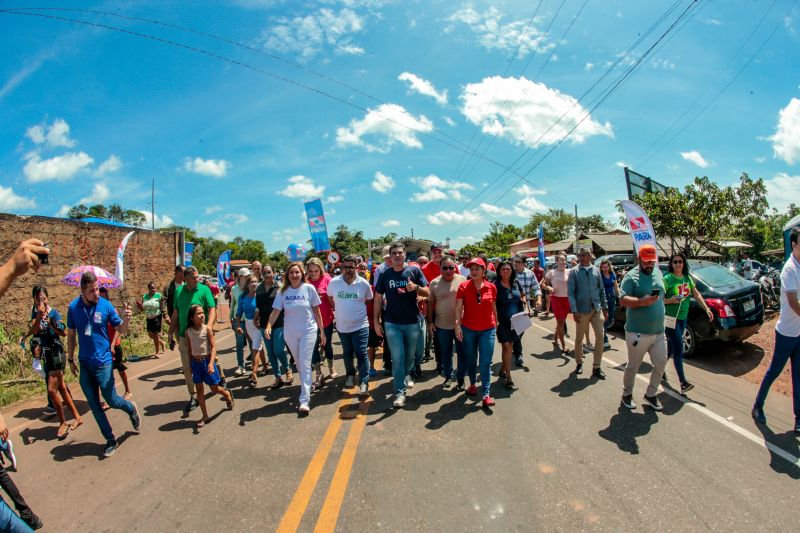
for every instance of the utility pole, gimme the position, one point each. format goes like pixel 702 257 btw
pixel 153 205
pixel 412 233
pixel 575 248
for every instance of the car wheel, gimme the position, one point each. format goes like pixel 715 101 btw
pixel 689 341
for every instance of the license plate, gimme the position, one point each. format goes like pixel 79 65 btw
pixel 749 305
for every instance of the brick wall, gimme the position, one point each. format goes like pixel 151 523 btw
pixel 150 255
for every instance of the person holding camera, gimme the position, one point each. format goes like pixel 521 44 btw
pixel 642 293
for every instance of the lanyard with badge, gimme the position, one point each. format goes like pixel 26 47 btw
pixel 89 316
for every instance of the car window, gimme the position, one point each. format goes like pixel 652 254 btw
pixel 715 275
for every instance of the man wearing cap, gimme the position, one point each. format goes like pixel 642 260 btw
pixel 441 314
pixel 642 293
pixel 533 293
pixel 462 267
pixel 241 338
pixel 432 271
pixel 587 302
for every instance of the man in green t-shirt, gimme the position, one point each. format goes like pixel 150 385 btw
pixel 642 293
pixel 190 293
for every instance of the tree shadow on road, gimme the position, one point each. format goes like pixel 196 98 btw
pixel 625 426
pixel 788 443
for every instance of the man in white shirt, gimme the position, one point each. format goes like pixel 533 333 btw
pixel 462 267
pixel 787 335
pixel 350 295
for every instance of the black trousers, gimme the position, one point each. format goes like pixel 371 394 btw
pixel 517 350
pixel 13 492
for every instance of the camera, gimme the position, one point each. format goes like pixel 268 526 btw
pixel 44 258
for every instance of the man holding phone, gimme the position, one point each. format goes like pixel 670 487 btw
pixel 642 293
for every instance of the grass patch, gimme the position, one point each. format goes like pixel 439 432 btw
pixel 16 363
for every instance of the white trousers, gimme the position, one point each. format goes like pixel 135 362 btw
pixel 254 333
pixel 301 345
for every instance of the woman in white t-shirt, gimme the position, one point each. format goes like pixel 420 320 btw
pixel 301 321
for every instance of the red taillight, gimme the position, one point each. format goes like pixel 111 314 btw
pixel 721 307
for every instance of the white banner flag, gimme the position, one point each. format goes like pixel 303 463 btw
pixel 639 223
pixel 121 256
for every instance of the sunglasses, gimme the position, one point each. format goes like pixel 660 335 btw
pixel 677 261
pixel 449 268
pixel 479 297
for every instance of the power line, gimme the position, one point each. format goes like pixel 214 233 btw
pixel 455 144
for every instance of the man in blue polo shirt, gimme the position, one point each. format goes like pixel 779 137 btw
pixel 88 318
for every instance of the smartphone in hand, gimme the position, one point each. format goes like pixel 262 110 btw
pixel 655 292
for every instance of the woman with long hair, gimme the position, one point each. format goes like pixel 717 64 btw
pixel 276 349
pixel 47 327
pixel 154 307
pixel 246 314
pixel 556 283
pixel 320 280
pixel 301 322
pixel 611 288
pixel 476 319
pixel 679 286
pixel 510 301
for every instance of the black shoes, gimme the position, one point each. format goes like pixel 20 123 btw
pixel 579 369
pixel 627 401
pixel 598 373
pixel 652 403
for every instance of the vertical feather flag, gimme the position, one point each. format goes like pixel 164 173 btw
pixel 119 272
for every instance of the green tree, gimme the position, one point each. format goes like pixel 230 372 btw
pixel 560 225
pixel 704 212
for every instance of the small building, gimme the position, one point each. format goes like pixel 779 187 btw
pixel 527 247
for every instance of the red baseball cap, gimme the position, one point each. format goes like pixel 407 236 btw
pixel 647 252
pixel 476 261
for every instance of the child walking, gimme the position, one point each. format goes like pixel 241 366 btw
pixel 202 356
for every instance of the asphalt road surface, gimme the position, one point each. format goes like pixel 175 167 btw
pixel 557 453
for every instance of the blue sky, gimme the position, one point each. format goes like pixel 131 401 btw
pixel 399 115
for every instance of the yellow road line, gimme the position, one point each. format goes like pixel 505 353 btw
pixel 297 507
pixel 341 477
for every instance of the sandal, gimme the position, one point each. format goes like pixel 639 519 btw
pixel 289 377
pixel 509 384
pixel 253 381
pixel 277 384
pixel 63 431
pixel 202 422
pixel 230 403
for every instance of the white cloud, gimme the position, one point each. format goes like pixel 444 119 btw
pixel 100 193
pixel 162 221
pixel 786 140
pixel 11 201
pixel 302 187
pixel 423 86
pixel 524 208
pixel 453 217
pixel 435 188
pixel 588 66
pixel 526 111
pixel 450 121
pixel 62 212
pixel 760 159
pixel 782 190
pixel 390 223
pixel 237 218
pixel 712 21
pixel 54 135
pixel 695 157
pixel 59 168
pixel 390 124
pixel 112 164
pixel 307 36
pixel 622 164
pixel 492 34
pixel 216 168
pixel 382 183
pixel 334 199
pixel 213 209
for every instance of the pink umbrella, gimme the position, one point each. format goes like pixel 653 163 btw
pixel 104 279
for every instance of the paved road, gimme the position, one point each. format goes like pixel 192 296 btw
pixel 555 454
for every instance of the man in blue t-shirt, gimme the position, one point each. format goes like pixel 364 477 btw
pixel 88 318
pixel 400 285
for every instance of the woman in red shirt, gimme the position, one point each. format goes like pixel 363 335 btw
pixel 476 319
pixel 320 280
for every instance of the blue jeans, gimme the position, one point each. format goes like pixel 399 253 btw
pixel 101 377
pixel 478 351
pixel 612 309
pixel 355 344
pixel 315 355
pixel 786 348
pixel 419 354
pixel 276 351
pixel 241 340
pixel 446 338
pixel 675 347
pixel 402 339
pixel 9 521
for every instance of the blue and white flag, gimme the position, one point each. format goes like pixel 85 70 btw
pixel 120 268
pixel 224 269
pixel 317 227
pixel 541 246
pixel 639 223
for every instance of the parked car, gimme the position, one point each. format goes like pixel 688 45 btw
pixel 619 262
pixel 758 268
pixel 736 304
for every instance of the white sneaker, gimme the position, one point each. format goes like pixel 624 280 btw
pixel 363 390
pixel 399 401
pixel 409 382
pixel 350 382
pixel 239 371
pixel 304 408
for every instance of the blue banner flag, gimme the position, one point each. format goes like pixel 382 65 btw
pixel 541 247
pixel 188 251
pixel 317 227
pixel 224 269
